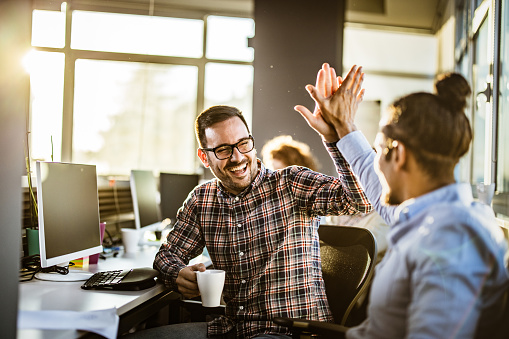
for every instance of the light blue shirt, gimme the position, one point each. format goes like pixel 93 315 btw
pixel 445 263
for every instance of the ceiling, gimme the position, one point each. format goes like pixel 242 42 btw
pixel 424 15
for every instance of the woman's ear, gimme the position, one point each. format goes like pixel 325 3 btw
pixel 203 157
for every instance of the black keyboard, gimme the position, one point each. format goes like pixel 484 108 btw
pixel 128 280
pixel 105 279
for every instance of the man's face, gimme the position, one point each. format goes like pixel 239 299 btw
pixel 237 172
pixel 385 170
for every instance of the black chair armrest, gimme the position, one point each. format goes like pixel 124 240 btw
pixel 323 329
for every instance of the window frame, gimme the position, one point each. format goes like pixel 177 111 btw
pixel 138 8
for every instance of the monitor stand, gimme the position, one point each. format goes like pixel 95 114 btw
pixel 73 275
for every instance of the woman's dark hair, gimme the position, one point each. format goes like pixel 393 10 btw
pixel 433 126
pixel 213 115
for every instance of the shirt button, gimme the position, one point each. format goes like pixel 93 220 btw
pixel 241 308
pixel 237 198
pixel 243 281
pixel 241 254
pixel 239 225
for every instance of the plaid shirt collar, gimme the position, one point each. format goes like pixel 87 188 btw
pixel 223 193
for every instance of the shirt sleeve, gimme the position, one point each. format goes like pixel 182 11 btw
pixel 183 243
pixel 349 182
pixel 360 155
pixel 320 194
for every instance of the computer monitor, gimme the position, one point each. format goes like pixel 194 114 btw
pixel 174 190
pixel 68 214
pixel 147 216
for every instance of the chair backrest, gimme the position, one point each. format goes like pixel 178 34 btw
pixel 494 321
pixel 348 257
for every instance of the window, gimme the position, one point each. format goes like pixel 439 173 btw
pixel 139 34
pixel 503 120
pixel 141 116
pixel 134 85
pixel 227 38
pixel 488 163
pixel 482 109
pixel 48 28
pixel 230 85
pixel 46 99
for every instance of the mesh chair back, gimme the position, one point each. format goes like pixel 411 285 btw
pixel 348 257
pixel 494 321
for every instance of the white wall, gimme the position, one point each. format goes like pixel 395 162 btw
pixel 446 41
pixel 395 63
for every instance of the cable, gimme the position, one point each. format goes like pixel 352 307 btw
pixel 31 265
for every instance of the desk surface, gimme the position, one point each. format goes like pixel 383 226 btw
pixel 36 295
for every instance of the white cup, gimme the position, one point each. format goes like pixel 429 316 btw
pixel 210 284
pixel 130 239
pixel 485 192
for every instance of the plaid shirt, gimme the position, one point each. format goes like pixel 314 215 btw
pixel 266 239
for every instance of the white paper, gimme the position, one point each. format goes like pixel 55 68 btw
pixel 103 322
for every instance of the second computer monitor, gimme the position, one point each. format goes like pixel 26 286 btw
pixel 145 199
pixel 174 190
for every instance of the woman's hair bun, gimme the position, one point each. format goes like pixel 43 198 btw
pixel 453 89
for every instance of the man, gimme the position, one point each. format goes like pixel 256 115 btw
pixel 283 151
pixel 258 225
pixel 445 268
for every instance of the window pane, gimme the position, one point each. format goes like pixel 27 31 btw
pixel 139 34
pixel 46 105
pixel 135 116
pixel 461 23
pixel 481 75
pixel 230 85
pixel 503 121
pixel 48 29
pixel 462 171
pixel 227 38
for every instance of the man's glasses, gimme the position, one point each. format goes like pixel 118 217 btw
pixel 225 151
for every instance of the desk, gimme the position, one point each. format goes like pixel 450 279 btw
pixel 133 307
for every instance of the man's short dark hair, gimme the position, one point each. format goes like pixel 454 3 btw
pixel 213 115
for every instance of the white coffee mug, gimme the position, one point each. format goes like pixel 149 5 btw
pixel 210 284
pixel 130 239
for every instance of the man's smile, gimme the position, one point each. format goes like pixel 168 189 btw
pixel 238 170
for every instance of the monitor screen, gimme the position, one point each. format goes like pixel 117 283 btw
pixel 145 199
pixel 174 190
pixel 68 212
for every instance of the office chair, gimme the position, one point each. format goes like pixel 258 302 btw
pixel 348 257
pixel 494 322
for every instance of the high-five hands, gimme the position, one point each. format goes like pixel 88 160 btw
pixel 336 102
pixel 326 83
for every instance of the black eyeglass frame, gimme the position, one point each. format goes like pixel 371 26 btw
pixel 231 146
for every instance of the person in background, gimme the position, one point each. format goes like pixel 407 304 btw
pixel 260 226
pixel 283 151
pixel 446 267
